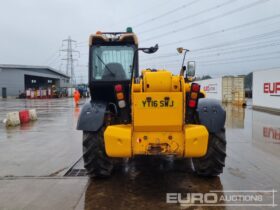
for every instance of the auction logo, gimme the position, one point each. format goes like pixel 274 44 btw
pixel 260 198
pixel 272 88
pixel 211 88
pixel 272 133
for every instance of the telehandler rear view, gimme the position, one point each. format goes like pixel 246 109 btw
pixel 152 113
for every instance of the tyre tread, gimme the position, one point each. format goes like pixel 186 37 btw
pixel 96 161
pixel 213 162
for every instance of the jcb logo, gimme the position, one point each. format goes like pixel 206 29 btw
pixel 166 102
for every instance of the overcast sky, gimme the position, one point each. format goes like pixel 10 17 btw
pixel 224 36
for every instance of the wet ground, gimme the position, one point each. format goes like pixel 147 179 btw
pixel 40 166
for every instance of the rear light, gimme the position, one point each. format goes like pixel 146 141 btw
pixel 120 96
pixel 192 103
pixel 195 87
pixel 194 95
pixel 121 104
pixel 118 88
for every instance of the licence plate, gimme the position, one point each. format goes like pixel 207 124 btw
pixel 157 103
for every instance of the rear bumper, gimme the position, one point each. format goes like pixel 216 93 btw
pixel 121 141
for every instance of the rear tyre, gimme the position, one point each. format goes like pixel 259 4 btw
pixel 96 161
pixel 213 162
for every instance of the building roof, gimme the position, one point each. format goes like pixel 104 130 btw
pixel 12 66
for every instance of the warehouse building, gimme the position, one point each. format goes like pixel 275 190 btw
pixel 17 79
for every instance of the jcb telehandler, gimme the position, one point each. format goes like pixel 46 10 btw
pixel 152 113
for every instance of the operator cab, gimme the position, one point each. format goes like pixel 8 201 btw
pixel 110 63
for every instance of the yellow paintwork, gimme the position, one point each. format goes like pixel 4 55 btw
pixel 157 115
pixel 196 140
pixel 187 87
pixel 169 142
pixel 158 126
pixel 157 81
pixel 137 87
pixel 176 84
pixel 118 140
pixel 203 93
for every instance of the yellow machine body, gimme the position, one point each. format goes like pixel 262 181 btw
pixel 158 121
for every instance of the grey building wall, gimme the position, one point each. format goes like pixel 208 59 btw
pixel 13 79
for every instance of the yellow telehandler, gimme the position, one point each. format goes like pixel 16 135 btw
pixel 152 113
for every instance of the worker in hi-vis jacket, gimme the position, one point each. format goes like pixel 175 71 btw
pixel 76 97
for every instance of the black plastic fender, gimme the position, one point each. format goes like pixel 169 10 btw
pixel 211 114
pixel 92 116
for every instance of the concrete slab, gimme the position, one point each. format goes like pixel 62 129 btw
pixel 42 193
pixel 44 147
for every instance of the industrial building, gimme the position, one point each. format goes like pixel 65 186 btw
pixel 17 79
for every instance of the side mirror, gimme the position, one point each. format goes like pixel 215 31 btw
pixel 151 49
pixel 190 69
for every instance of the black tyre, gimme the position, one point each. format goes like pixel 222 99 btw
pixel 96 161
pixel 213 162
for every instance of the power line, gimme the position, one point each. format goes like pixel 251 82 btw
pixel 230 62
pixel 251 38
pixel 240 50
pixel 277 43
pixel 224 52
pixel 54 61
pixel 226 44
pixel 228 59
pixel 222 30
pixel 69 58
pixel 239 9
pixel 261 20
pixel 241 61
pixel 227 50
pixel 242 57
pixel 184 6
pixel 152 9
pixel 51 57
pixel 189 16
pixel 82 44
pixel 236 59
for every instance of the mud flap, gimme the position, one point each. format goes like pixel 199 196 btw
pixel 211 114
pixel 92 116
